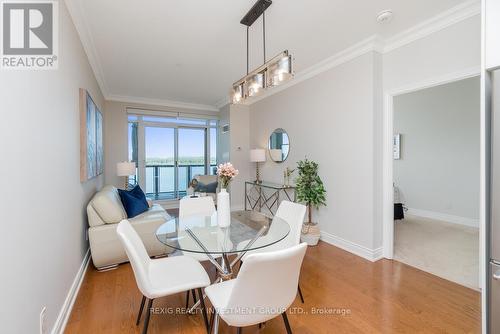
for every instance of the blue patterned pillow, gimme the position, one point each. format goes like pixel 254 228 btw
pixel 134 201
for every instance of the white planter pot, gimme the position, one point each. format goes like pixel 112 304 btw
pixel 312 235
pixel 223 209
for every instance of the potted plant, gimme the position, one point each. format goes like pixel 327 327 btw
pixel 310 191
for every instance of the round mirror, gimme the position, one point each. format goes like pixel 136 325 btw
pixel 279 145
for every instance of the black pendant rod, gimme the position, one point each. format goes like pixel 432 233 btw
pixel 258 9
pixel 264 33
pixel 248 69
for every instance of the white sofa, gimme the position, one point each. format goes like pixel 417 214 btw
pixel 105 211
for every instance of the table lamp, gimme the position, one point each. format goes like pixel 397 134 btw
pixel 258 155
pixel 125 169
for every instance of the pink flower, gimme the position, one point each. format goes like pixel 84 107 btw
pixel 226 173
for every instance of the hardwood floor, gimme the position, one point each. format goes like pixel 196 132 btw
pixel 360 297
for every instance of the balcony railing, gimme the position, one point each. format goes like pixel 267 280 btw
pixel 160 179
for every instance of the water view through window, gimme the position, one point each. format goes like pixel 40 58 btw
pixel 173 155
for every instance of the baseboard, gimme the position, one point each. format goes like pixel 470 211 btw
pixel 444 217
pixel 378 254
pixel 62 318
pixel 362 251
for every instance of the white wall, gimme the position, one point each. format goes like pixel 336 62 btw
pixel 454 49
pixel 439 167
pixel 43 218
pixel 329 119
pixel 450 52
pixel 336 118
pixel 491 9
pixel 239 152
pixel 224 141
pixel 115 140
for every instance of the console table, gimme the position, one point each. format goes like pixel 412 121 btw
pixel 267 196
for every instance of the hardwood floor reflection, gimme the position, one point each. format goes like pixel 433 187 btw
pixel 343 294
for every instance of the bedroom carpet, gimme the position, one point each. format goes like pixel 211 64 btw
pixel 446 250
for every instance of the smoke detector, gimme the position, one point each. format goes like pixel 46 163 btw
pixel 384 16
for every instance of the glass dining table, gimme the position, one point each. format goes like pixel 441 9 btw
pixel 249 230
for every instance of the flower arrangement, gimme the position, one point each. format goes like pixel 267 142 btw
pixel 226 173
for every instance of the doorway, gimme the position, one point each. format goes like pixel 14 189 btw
pixel 436 180
pixel 388 159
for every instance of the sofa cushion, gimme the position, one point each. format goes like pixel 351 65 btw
pixel 155 212
pixel 206 188
pixel 134 201
pixel 108 205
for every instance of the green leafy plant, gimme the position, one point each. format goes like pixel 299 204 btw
pixel 309 187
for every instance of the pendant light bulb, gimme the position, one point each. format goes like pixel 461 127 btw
pixel 280 71
pixel 255 84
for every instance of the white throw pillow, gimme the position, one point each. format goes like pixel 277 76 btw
pixel 108 205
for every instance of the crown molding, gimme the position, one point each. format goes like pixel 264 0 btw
pixel 76 12
pixel 375 43
pixel 161 102
pixel 437 23
pixel 222 102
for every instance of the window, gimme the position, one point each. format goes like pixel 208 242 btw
pixel 170 151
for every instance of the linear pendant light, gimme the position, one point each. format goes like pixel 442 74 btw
pixel 272 73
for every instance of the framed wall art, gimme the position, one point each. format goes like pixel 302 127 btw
pixel 91 138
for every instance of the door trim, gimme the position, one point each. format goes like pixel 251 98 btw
pixel 388 129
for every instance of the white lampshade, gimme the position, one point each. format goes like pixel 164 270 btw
pixel 258 155
pixel 125 168
pixel 276 154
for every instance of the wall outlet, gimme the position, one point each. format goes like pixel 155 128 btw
pixel 43 321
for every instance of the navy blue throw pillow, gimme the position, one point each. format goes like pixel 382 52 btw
pixel 134 201
pixel 206 188
pixel 137 192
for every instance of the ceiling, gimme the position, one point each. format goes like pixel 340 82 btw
pixel 192 50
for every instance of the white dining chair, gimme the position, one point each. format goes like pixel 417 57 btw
pixel 196 206
pixel 264 288
pixel 293 214
pixel 160 277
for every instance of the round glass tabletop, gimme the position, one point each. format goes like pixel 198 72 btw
pixel 249 230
